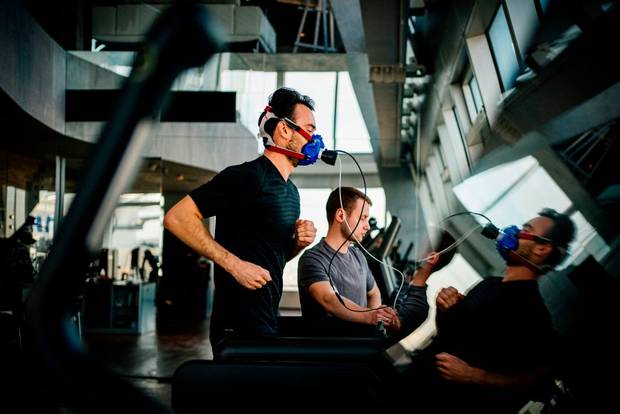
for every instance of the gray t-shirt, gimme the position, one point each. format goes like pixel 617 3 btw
pixel 349 272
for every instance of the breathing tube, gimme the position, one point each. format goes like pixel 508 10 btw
pixel 351 236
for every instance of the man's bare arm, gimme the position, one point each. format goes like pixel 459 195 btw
pixel 323 293
pixel 455 369
pixel 184 220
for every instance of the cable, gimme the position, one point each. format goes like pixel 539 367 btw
pixel 455 244
pixel 473 213
pixel 402 280
pixel 351 235
pixel 164 380
pixel 329 268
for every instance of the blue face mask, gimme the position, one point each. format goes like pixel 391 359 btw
pixel 508 240
pixel 507 243
pixel 312 150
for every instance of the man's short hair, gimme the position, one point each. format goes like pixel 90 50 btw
pixel 561 235
pixel 440 239
pixel 350 196
pixel 282 103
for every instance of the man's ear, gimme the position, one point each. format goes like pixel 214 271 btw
pixel 433 258
pixel 543 250
pixel 339 215
pixel 282 129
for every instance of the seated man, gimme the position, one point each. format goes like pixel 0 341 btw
pixel 495 345
pixel 354 296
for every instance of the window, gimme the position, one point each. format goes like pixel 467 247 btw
pixel 475 91
pixel 351 132
pixel 253 89
pixel 337 111
pixel 473 99
pixel 503 49
pixel 515 192
pixel 137 221
pixel 321 87
pixel 524 23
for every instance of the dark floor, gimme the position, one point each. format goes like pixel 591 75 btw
pixel 149 360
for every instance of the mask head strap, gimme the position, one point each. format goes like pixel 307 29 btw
pixel 267 139
pixel 298 129
pixel 529 236
pixel 530 265
pixel 509 247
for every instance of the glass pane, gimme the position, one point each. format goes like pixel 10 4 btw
pixel 136 224
pixel 469 102
pixel 43 214
pixel 515 192
pixel 253 89
pixel 479 192
pixel 351 132
pixel 321 87
pixel 504 53
pixel 27 207
pixel 475 91
pixel 527 197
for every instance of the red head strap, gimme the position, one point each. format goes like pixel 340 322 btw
pixel 529 236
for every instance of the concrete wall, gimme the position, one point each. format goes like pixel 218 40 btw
pixel 211 146
pixel 33 66
pixel 36 72
pixel 84 75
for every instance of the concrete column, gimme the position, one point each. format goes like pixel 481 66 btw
pixel 59 188
pixel 402 202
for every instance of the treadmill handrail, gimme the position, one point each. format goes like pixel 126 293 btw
pixel 84 384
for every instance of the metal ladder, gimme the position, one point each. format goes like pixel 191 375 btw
pixel 324 16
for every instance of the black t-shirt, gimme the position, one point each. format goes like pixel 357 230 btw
pixel 256 212
pixel 499 326
pixel 502 327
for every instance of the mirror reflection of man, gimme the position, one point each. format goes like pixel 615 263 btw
pixel 17 268
pixel 495 345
